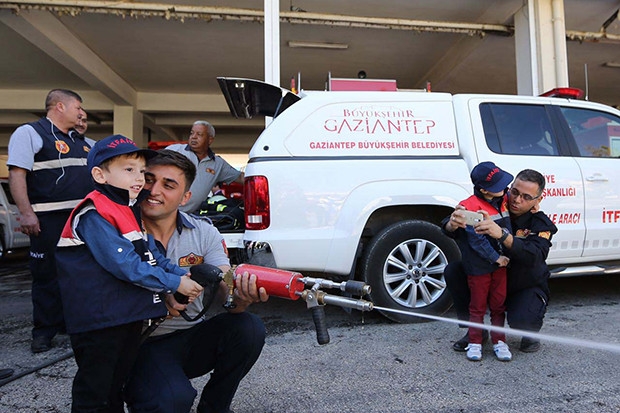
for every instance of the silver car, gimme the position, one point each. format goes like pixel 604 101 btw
pixel 11 238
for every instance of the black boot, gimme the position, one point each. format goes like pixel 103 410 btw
pixel 461 345
pixel 529 345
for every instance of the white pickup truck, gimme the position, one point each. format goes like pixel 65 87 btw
pixel 11 237
pixel 353 185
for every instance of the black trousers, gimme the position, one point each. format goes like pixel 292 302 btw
pixel 227 344
pixel 525 309
pixel 47 315
pixel 104 358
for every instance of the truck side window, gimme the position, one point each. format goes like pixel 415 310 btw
pixel 597 134
pixel 517 129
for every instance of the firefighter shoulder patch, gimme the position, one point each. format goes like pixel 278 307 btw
pixel 522 233
pixel 225 248
pixel 545 234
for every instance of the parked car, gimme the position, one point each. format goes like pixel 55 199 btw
pixel 11 238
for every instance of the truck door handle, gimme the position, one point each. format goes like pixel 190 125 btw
pixel 596 177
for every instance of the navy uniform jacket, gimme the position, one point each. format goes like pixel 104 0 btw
pixel 532 235
pixel 60 177
pixel 120 283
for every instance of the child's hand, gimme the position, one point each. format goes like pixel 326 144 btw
pixel 503 261
pixel 189 287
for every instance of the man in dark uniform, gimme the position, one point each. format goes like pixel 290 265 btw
pixel 527 247
pixel 48 176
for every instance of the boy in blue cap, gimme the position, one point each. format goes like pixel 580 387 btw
pixel 483 258
pixel 111 275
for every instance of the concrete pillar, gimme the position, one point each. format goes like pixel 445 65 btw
pixel 272 42
pixel 540 44
pixel 128 122
pixel 272 45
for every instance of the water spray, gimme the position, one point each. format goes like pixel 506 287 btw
pixel 293 286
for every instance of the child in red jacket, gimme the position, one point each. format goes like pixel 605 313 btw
pixel 484 260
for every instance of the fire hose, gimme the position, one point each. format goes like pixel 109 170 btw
pixel 283 284
pixel 293 286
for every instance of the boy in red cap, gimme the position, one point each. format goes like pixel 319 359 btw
pixel 111 275
pixel 483 258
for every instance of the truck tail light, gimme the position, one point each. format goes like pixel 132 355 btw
pixel 256 194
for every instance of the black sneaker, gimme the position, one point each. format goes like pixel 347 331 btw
pixel 461 345
pixel 41 344
pixel 529 345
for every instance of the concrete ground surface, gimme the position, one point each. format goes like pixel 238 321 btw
pixel 371 364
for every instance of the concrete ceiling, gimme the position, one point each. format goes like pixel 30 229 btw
pixel 167 65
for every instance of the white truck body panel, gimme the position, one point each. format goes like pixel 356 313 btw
pixel 345 169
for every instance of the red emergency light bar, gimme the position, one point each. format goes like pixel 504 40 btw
pixel 362 85
pixel 564 92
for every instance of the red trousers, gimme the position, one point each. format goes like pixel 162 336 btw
pixel 487 289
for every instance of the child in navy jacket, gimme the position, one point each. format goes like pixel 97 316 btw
pixel 483 258
pixel 111 276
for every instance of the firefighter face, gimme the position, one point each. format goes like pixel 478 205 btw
pixel 523 196
pixel 167 186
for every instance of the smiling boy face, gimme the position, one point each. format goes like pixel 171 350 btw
pixel 124 172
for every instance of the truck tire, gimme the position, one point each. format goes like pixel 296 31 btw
pixel 404 265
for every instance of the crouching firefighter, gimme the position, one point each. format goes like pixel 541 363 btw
pixel 226 345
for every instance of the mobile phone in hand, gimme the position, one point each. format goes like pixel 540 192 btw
pixel 471 218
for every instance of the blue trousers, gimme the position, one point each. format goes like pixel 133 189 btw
pixel 227 344
pixel 104 358
pixel 47 314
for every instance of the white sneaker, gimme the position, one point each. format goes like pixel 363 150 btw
pixel 501 351
pixel 474 352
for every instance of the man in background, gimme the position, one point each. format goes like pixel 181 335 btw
pixel 82 126
pixel 48 176
pixel 210 168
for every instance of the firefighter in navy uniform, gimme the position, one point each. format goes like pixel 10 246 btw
pixel 48 177
pixel 527 246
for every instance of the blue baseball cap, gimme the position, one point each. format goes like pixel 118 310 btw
pixel 488 176
pixel 112 146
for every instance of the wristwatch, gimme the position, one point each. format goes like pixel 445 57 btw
pixel 505 234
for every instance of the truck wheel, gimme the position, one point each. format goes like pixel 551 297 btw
pixel 404 266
